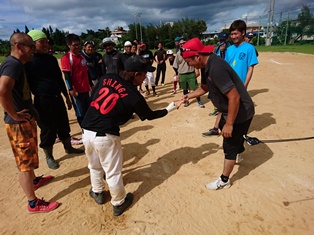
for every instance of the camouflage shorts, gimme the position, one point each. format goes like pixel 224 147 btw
pixel 23 140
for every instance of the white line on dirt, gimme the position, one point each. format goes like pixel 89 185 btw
pixel 274 61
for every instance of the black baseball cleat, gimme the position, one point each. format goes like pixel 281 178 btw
pixel 98 197
pixel 118 210
pixel 251 140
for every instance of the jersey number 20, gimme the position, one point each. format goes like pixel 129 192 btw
pixel 104 103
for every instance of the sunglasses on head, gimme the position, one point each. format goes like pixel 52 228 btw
pixel 89 42
pixel 31 46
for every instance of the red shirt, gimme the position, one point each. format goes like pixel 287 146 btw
pixel 79 71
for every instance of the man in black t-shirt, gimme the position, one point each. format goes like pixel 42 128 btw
pixel 231 98
pixel 148 56
pixel 160 56
pixel 127 51
pixel 19 118
pixel 93 61
pixel 46 83
pixel 113 101
pixel 112 61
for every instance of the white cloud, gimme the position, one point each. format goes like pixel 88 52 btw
pixel 76 16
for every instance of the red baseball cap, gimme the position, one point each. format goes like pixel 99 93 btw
pixel 195 46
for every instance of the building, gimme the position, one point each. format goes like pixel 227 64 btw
pixel 118 33
pixel 249 28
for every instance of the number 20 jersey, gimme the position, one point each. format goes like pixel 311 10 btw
pixel 113 103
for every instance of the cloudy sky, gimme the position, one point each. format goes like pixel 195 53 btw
pixel 75 16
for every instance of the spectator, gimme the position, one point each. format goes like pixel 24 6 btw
pixel 93 60
pixel 46 83
pixel 160 57
pixel 75 70
pixel 148 56
pixel 112 61
pixel 19 118
pixel 171 58
pixel 186 76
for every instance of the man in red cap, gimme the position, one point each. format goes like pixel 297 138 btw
pixel 230 97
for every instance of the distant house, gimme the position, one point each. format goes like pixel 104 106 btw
pixel 118 33
pixel 209 35
pixel 249 28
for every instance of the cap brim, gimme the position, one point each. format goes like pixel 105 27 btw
pixel 108 43
pixel 207 49
pixel 187 54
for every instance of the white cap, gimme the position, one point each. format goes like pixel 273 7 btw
pixel 169 52
pixel 127 43
pixel 106 41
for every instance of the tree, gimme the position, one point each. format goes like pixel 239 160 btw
pixel 189 28
pixel 4 48
pixel 304 25
pixel 26 29
pixel 151 34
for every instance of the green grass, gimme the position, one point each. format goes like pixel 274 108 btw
pixel 307 49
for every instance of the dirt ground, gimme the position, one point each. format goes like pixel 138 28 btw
pixel 167 162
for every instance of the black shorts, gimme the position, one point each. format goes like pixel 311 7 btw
pixel 234 145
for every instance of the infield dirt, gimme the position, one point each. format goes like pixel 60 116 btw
pixel 167 163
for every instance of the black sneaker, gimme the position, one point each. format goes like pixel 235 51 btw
pixel 200 103
pixel 74 150
pixel 98 197
pixel 118 210
pixel 210 132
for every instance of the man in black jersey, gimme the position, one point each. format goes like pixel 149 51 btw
pixel 112 61
pixel 93 61
pixel 148 56
pixel 231 98
pixel 113 101
pixel 46 83
pixel 127 51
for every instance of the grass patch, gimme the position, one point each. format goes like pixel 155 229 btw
pixel 307 49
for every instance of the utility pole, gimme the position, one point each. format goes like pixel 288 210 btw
pixel 287 28
pixel 135 25
pixel 139 15
pixel 272 19
pixel 259 29
pixel 268 25
pixel 270 22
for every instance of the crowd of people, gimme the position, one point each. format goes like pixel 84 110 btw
pixel 106 91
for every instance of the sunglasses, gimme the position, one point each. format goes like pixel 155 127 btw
pixel 185 49
pixel 31 46
pixel 76 45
